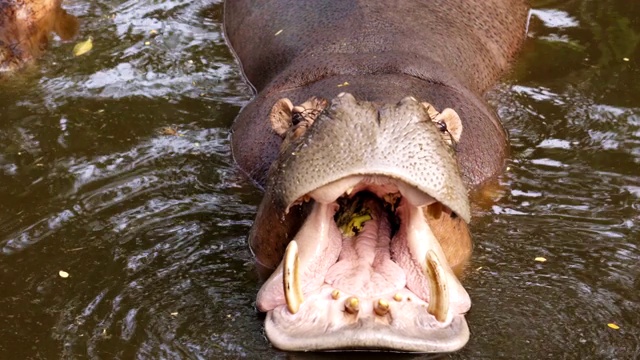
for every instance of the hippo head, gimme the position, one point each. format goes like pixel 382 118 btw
pixel 25 27
pixel 365 221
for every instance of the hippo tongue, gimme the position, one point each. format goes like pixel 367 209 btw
pixel 365 267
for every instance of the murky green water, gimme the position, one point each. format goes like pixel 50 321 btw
pixel 151 226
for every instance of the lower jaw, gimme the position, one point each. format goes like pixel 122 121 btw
pixel 322 324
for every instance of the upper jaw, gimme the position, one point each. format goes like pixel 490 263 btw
pixel 354 138
pixel 425 311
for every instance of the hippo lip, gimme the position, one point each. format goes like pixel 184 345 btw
pixel 400 302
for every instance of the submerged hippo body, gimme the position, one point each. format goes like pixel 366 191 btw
pixel 25 26
pixel 367 132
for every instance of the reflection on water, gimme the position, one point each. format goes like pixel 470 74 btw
pixel 115 167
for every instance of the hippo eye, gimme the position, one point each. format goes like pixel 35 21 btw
pixel 442 126
pixel 296 118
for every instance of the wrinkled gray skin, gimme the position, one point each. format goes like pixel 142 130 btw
pixel 446 53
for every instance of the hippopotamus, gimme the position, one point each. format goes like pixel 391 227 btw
pixel 368 132
pixel 25 26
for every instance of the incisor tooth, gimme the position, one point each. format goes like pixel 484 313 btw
pixel 292 290
pixel 438 294
pixel 352 305
pixel 349 191
pixel 382 307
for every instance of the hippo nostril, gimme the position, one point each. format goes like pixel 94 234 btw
pixel 408 100
pixel 345 97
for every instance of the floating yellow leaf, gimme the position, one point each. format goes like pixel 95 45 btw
pixel 613 326
pixel 174 313
pixel 540 259
pixel 63 274
pixel 625 59
pixel 83 47
pixel 147 43
pixel 279 32
pixel 343 84
pixel 153 32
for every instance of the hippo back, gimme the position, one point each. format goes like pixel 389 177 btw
pixel 430 39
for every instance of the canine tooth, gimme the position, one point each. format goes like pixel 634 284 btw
pixel 291 282
pixel 352 305
pixel 438 292
pixel 335 294
pixel 397 297
pixel 349 191
pixel 382 307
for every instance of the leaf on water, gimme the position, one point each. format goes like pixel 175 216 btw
pixel 343 84
pixel 540 259
pixel 63 274
pixel 613 326
pixel 279 32
pixel 174 313
pixel 625 59
pixel 83 47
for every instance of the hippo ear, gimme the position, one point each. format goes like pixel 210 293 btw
pixel 280 116
pixel 452 121
pixel 448 121
pixel 431 110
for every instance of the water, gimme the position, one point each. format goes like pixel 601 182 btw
pixel 115 168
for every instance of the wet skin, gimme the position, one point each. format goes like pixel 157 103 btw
pixel 25 27
pixel 355 101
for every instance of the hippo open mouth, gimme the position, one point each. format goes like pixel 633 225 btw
pixel 368 200
pixel 369 274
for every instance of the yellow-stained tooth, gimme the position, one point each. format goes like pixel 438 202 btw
pixel 335 294
pixel 352 305
pixel 438 294
pixel 397 297
pixel 382 307
pixel 291 282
